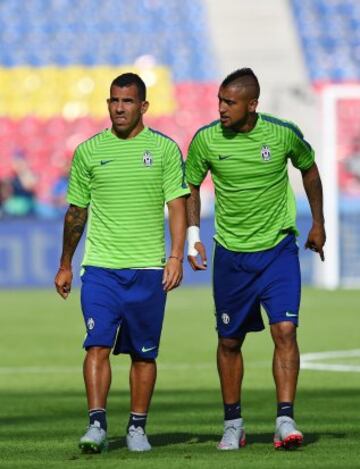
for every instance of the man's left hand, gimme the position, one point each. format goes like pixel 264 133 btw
pixel 173 273
pixel 316 239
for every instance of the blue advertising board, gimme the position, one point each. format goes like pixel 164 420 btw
pixel 30 251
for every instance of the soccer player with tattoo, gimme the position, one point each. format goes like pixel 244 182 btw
pixel 256 259
pixel 119 183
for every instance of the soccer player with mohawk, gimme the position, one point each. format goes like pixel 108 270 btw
pixel 256 255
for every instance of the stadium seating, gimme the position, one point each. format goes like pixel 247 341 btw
pixel 56 63
pixel 40 33
pixel 330 36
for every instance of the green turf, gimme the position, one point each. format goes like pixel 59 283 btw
pixel 43 409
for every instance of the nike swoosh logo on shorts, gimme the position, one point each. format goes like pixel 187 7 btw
pixel 290 315
pixel 147 349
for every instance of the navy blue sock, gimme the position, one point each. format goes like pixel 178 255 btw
pixel 98 415
pixel 285 409
pixel 232 411
pixel 137 420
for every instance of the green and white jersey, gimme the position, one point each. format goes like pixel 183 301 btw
pixel 254 203
pixel 125 183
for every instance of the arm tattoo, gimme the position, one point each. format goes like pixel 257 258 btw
pixel 74 224
pixel 193 206
pixel 313 189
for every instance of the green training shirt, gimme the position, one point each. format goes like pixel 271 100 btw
pixel 125 183
pixel 254 203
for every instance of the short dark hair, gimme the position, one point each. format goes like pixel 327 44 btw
pixel 243 77
pixel 127 79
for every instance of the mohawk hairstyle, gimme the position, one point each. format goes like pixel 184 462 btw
pixel 127 79
pixel 243 77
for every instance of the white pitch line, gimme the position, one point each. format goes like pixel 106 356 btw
pixel 328 367
pixel 331 354
pixel 312 361
pixel 308 361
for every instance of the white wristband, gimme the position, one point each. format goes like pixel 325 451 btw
pixel 193 236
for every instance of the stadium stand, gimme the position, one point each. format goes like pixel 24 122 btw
pixel 329 31
pixel 330 36
pixel 57 63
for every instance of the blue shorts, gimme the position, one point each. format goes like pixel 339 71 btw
pixel 244 281
pixel 124 309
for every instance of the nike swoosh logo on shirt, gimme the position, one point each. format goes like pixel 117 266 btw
pixel 102 162
pixel 224 157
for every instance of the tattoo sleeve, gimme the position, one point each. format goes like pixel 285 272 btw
pixel 193 206
pixel 313 188
pixel 74 224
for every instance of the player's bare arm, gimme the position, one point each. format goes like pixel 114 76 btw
pixel 173 271
pixel 74 224
pixel 196 247
pixel 313 188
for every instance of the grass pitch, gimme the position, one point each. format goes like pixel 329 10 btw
pixel 43 407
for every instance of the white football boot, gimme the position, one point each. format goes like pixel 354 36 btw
pixel 234 435
pixel 94 440
pixel 287 436
pixel 136 439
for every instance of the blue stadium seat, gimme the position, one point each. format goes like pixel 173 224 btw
pixel 40 33
pixel 328 30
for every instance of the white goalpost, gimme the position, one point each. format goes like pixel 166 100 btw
pixel 334 98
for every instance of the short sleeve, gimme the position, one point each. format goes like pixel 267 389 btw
pixel 196 162
pixel 79 182
pixel 300 152
pixel 174 184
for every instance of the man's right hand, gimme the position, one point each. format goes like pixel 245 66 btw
pixel 63 281
pixel 193 260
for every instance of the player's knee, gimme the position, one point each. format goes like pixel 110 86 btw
pixel 284 334
pixel 140 361
pixel 98 353
pixel 229 346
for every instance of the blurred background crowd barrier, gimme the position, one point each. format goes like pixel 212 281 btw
pixel 57 59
